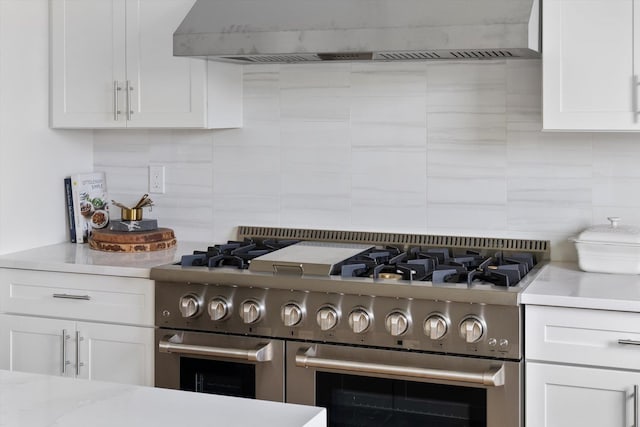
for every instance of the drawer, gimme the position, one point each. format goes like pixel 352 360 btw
pixel 582 336
pixel 114 299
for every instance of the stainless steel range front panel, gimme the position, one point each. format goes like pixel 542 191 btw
pixel 501 337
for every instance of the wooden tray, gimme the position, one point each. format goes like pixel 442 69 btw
pixel 126 241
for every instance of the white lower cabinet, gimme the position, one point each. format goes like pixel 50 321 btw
pixel 88 350
pixel 568 396
pixel 32 344
pixel 582 367
pixel 77 325
pixel 117 353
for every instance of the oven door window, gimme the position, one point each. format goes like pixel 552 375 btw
pixel 354 401
pixel 215 377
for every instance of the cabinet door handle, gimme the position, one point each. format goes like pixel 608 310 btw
pixel 634 96
pixel 79 364
pixel 628 342
pixel 116 102
pixel 129 110
pixel 636 388
pixel 68 296
pixel 65 362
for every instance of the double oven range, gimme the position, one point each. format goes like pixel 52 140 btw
pixel 379 328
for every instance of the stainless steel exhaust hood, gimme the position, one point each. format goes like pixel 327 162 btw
pixel 285 31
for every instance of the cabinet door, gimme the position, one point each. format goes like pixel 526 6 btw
pixel 123 354
pixel 32 344
pixel 165 91
pixel 568 396
pixel 87 58
pixel 588 65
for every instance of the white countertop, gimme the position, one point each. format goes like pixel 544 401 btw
pixel 80 258
pixel 558 284
pixel 565 285
pixel 33 400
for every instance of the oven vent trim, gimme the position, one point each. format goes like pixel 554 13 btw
pixel 380 238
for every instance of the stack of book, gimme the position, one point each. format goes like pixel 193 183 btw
pixel 87 204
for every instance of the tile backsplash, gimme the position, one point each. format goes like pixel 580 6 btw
pixel 433 147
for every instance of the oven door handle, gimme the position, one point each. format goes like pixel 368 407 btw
pixel 494 376
pixel 263 353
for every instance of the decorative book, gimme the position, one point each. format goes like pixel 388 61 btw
pixel 70 215
pixel 90 204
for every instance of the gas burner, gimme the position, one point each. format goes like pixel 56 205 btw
pixel 476 267
pixel 439 265
pixel 233 253
pixel 503 271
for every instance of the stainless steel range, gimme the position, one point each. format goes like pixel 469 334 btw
pixel 380 328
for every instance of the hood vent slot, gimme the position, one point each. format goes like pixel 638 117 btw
pixel 355 56
pixel 481 54
pixel 409 56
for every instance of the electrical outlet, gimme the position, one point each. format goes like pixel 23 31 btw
pixel 156 179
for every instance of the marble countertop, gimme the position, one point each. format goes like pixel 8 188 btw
pixel 565 285
pixel 558 284
pixel 79 258
pixel 33 400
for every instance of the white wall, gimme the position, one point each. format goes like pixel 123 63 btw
pixel 439 147
pixel 33 158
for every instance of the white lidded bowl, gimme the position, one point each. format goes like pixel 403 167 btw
pixel 609 248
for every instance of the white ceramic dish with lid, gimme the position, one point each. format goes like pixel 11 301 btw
pixel 609 248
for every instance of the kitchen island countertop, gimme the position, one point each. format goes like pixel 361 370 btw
pixel 563 284
pixel 80 258
pixel 33 400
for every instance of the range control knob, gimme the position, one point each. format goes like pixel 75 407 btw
pixel 436 326
pixel 189 305
pixel 250 311
pixel 359 320
pixel 471 329
pixel 396 323
pixel 327 318
pixel 218 309
pixel 291 314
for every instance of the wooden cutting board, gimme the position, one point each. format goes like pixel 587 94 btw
pixel 127 241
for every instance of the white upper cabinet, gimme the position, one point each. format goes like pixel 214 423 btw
pixel 590 64
pixel 112 66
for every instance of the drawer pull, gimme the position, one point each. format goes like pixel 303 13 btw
pixel 628 342
pixel 68 296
